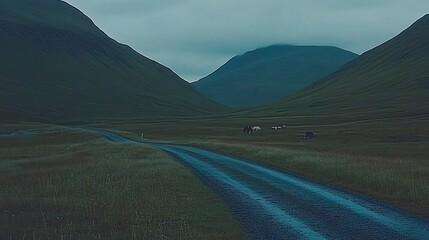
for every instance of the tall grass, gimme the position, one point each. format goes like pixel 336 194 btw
pixel 97 190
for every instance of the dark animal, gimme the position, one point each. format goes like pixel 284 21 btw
pixel 309 135
pixel 247 129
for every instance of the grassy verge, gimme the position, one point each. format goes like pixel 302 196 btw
pixel 401 180
pixel 75 186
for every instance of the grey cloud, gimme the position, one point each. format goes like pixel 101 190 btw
pixel 194 37
pixel 193 65
pixel 127 7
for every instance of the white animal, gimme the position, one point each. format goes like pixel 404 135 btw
pixel 256 128
pixel 279 127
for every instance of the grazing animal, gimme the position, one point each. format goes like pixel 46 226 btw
pixel 247 129
pixel 309 135
pixel 256 128
pixel 279 127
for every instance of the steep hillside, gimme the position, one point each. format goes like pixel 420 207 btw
pixel 269 73
pixel 55 64
pixel 391 80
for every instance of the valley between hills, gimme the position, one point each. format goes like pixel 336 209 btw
pixel 100 142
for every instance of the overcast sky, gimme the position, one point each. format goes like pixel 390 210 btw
pixel 195 37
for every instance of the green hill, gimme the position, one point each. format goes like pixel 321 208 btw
pixel 270 73
pixel 56 65
pixel 391 80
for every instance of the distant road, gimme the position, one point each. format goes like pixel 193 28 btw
pixel 272 204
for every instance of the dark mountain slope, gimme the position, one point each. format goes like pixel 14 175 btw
pixel 391 80
pixel 269 73
pixel 55 64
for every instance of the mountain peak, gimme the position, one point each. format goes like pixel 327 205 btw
pixel 57 65
pixel 267 73
pixel 425 17
pixel 422 22
pixel 53 13
pixel 390 80
pixel 412 42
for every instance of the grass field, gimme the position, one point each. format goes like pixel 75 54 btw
pixel 387 159
pixel 102 190
pixel 401 181
pixel 79 186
